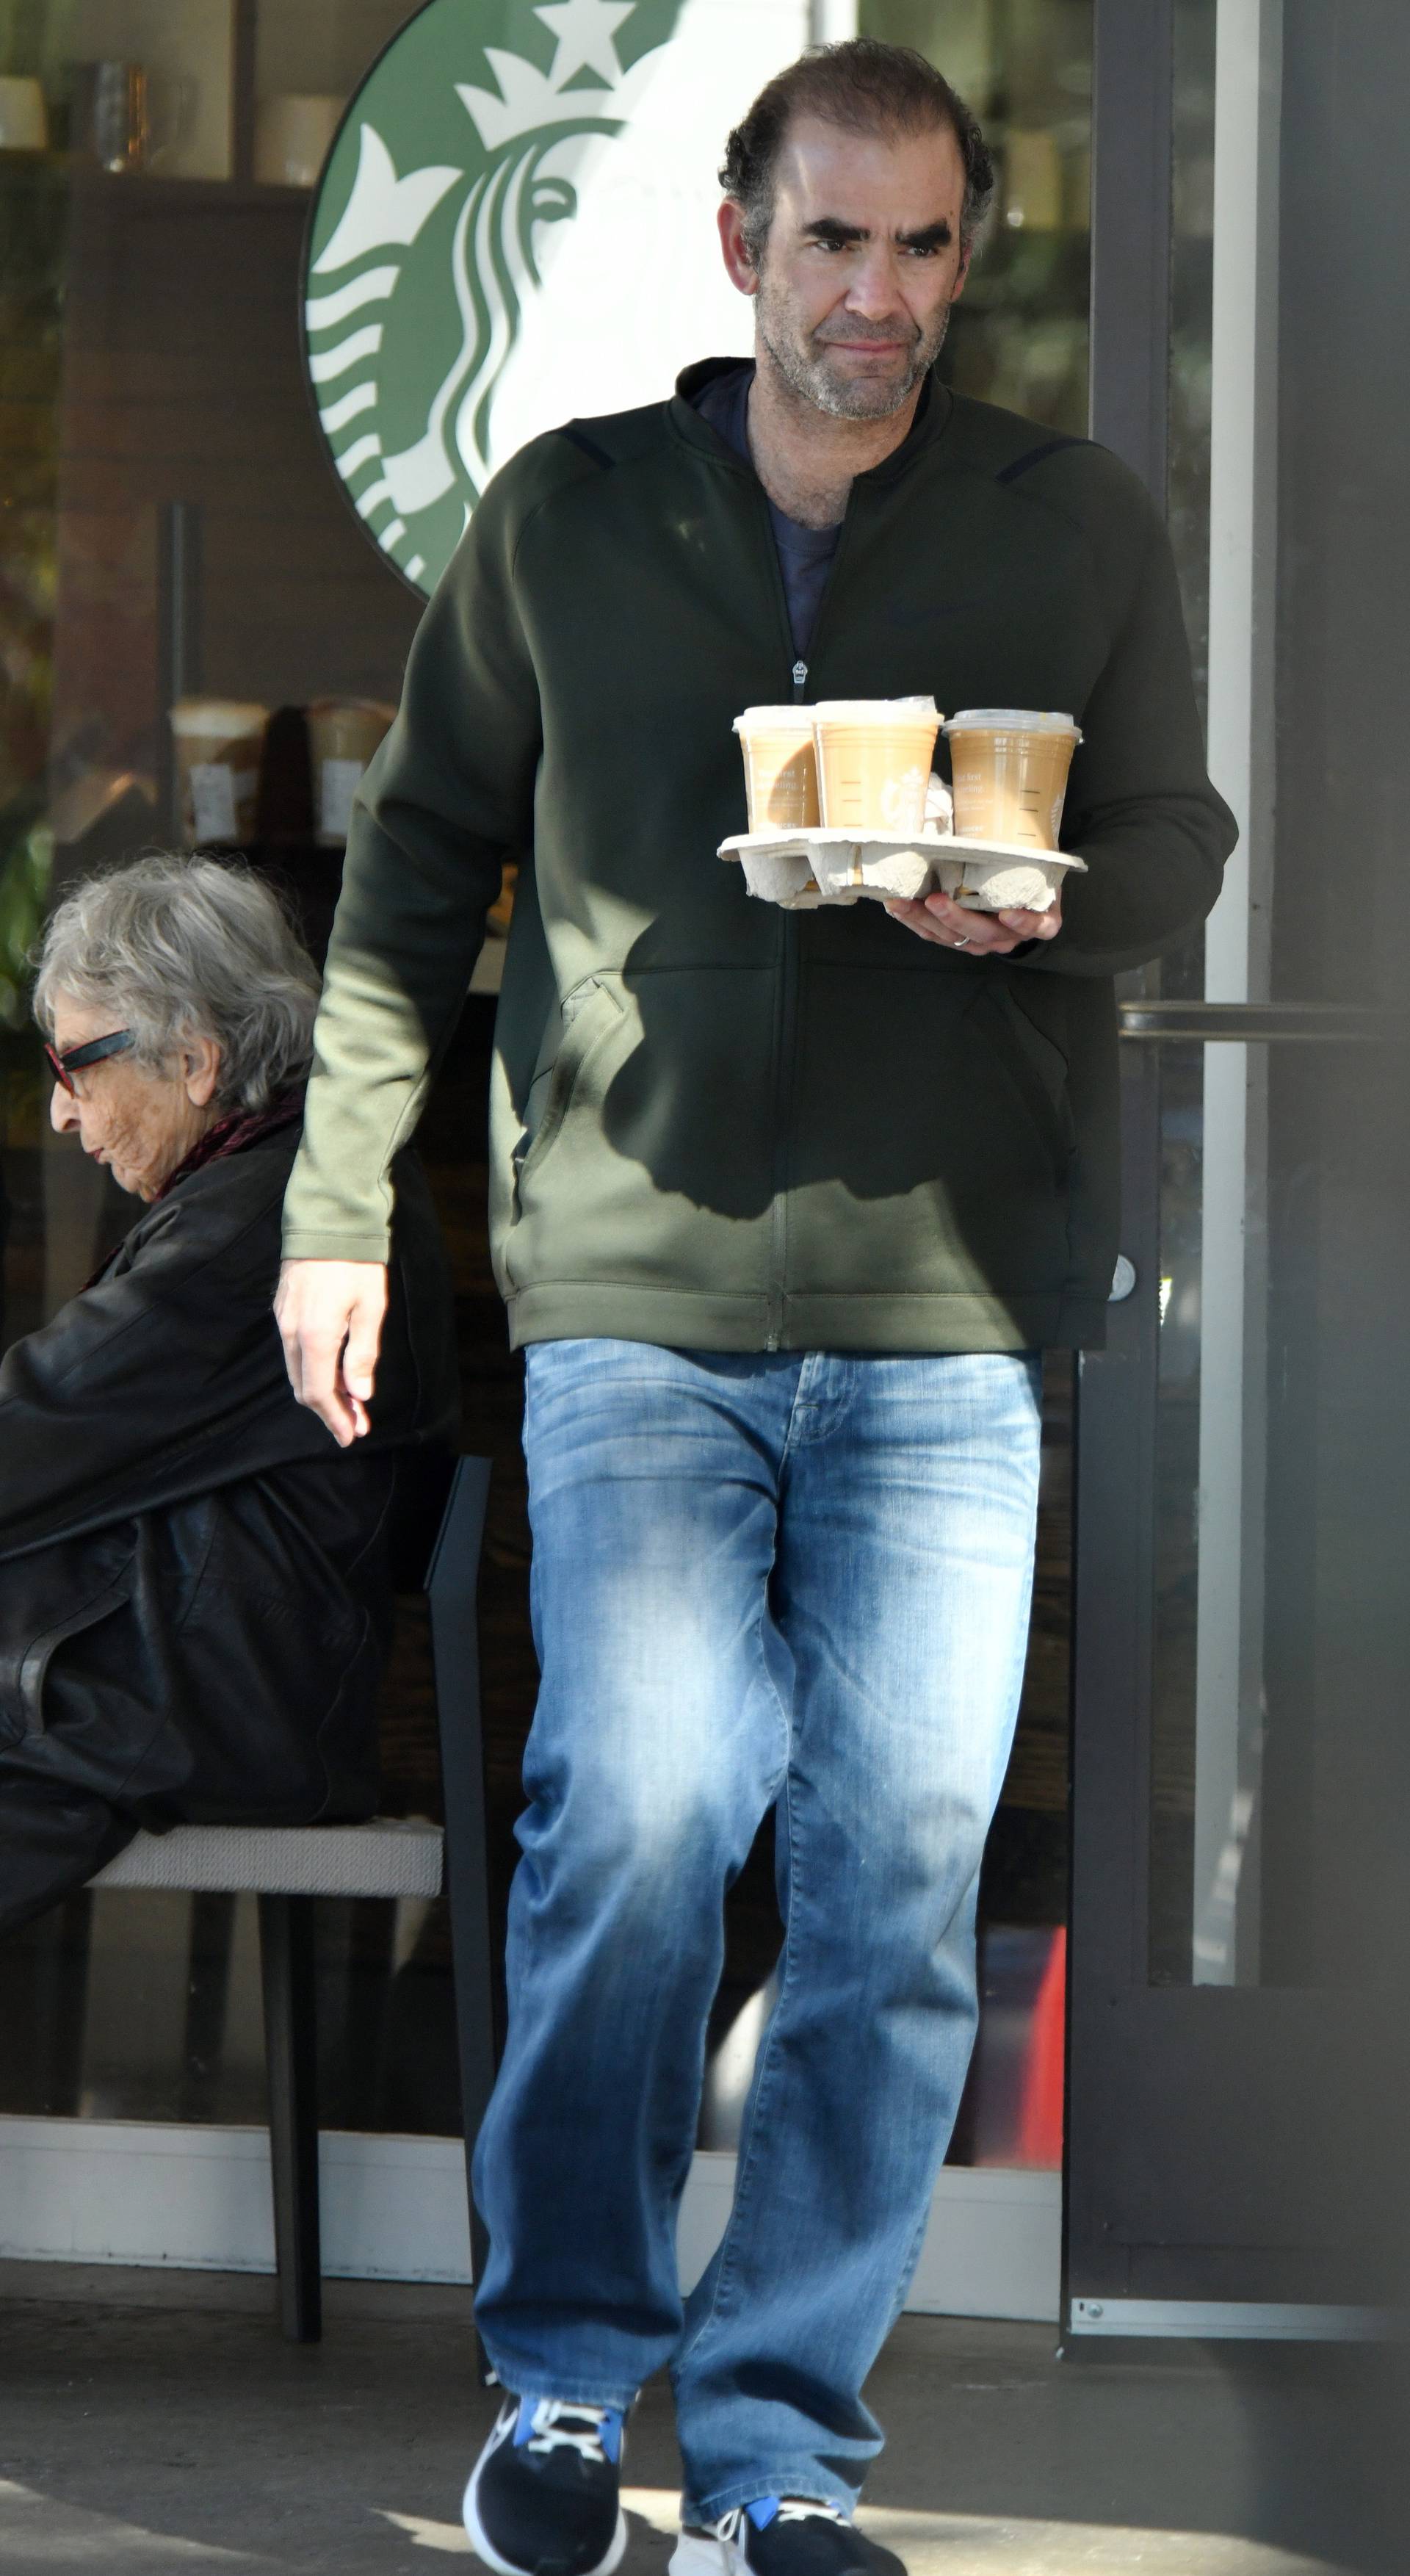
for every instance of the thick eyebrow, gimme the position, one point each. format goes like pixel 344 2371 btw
pixel 936 236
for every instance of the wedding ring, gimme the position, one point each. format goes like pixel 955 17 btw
pixel 962 943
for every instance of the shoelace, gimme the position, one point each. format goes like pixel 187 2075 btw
pixel 562 2427
pixel 790 2509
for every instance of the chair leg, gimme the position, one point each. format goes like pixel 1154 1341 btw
pixel 291 2057
pixel 211 1947
pixel 468 1897
pixel 451 1591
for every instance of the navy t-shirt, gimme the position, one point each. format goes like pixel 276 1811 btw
pixel 804 554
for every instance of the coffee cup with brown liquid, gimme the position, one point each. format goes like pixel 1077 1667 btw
pixel 874 757
pixel 780 768
pixel 1009 769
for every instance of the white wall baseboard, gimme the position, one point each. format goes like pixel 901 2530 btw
pixel 116 2191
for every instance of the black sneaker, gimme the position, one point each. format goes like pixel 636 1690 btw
pixel 542 2497
pixel 782 2536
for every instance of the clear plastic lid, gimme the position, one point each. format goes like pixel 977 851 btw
pixel 875 710
pixel 1010 720
pixel 791 719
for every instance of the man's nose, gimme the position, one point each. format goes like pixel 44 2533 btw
pixel 63 1109
pixel 875 289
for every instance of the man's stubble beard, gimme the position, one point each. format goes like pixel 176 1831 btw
pixel 808 375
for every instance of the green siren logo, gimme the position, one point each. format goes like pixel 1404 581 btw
pixel 474 274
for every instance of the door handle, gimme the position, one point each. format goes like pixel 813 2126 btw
pixel 1246 1022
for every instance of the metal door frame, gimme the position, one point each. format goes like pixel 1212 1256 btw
pixel 1195 2147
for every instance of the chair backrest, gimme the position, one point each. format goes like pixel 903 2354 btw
pixel 425 1481
pixel 454 1564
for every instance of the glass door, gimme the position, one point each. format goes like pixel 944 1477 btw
pixel 1242 1638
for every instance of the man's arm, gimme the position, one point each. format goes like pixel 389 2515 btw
pixel 1140 808
pixel 448 796
pixel 330 1316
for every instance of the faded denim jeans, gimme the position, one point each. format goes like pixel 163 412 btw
pixel 791 1580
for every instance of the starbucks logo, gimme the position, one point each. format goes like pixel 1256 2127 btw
pixel 479 270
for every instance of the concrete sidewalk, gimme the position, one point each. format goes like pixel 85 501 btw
pixel 156 2422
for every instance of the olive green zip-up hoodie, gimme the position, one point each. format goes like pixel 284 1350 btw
pixel 715 1124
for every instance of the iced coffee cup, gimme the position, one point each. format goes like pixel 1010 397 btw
pixel 1009 770
pixel 343 734
pixel 217 744
pixel 780 768
pixel 874 757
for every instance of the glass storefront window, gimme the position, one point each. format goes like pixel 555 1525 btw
pixel 176 531
pixel 1283 1241
pixel 1181 1069
pixel 1191 319
pixel 1019 336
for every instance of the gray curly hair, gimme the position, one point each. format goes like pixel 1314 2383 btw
pixel 180 948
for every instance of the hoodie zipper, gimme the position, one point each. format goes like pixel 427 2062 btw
pixel 786 1008
pixel 787 1018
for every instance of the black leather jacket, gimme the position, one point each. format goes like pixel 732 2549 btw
pixel 194 1588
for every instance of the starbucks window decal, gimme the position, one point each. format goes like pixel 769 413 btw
pixel 514 227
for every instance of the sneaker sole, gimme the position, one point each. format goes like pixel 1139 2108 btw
pixel 694 2555
pixel 485 2549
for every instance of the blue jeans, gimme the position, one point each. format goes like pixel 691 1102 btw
pixel 792 1580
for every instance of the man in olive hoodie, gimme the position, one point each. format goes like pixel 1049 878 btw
pixel 785 1208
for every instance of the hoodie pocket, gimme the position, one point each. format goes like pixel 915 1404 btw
pixel 1035 1069
pixel 591 1017
pixel 656 1124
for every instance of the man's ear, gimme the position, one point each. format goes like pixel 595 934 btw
pixel 738 262
pixel 200 1070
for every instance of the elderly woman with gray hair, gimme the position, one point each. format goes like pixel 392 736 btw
pixel 194 1587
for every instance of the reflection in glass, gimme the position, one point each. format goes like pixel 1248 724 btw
pixel 1276 1898
pixel 1191 315
pixel 1181 1076
pixel 176 534
pixel 1019 333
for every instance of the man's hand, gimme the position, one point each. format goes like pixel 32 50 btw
pixel 329 1315
pixel 980 934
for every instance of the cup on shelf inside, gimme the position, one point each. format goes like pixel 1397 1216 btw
pixel 127 118
pixel 217 744
pixel 1034 199
pixel 24 118
pixel 874 757
pixel 780 768
pixel 343 734
pixel 293 135
pixel 1009 770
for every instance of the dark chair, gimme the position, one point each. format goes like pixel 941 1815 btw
pixel 290 1866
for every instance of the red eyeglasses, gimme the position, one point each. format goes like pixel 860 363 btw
pixel 73 1059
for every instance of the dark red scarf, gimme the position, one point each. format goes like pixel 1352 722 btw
pixel 228 1136
pixel 231 1135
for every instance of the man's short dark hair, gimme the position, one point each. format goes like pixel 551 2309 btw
pixel 867 88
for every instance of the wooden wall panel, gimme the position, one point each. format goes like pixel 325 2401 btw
pixel 183 382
